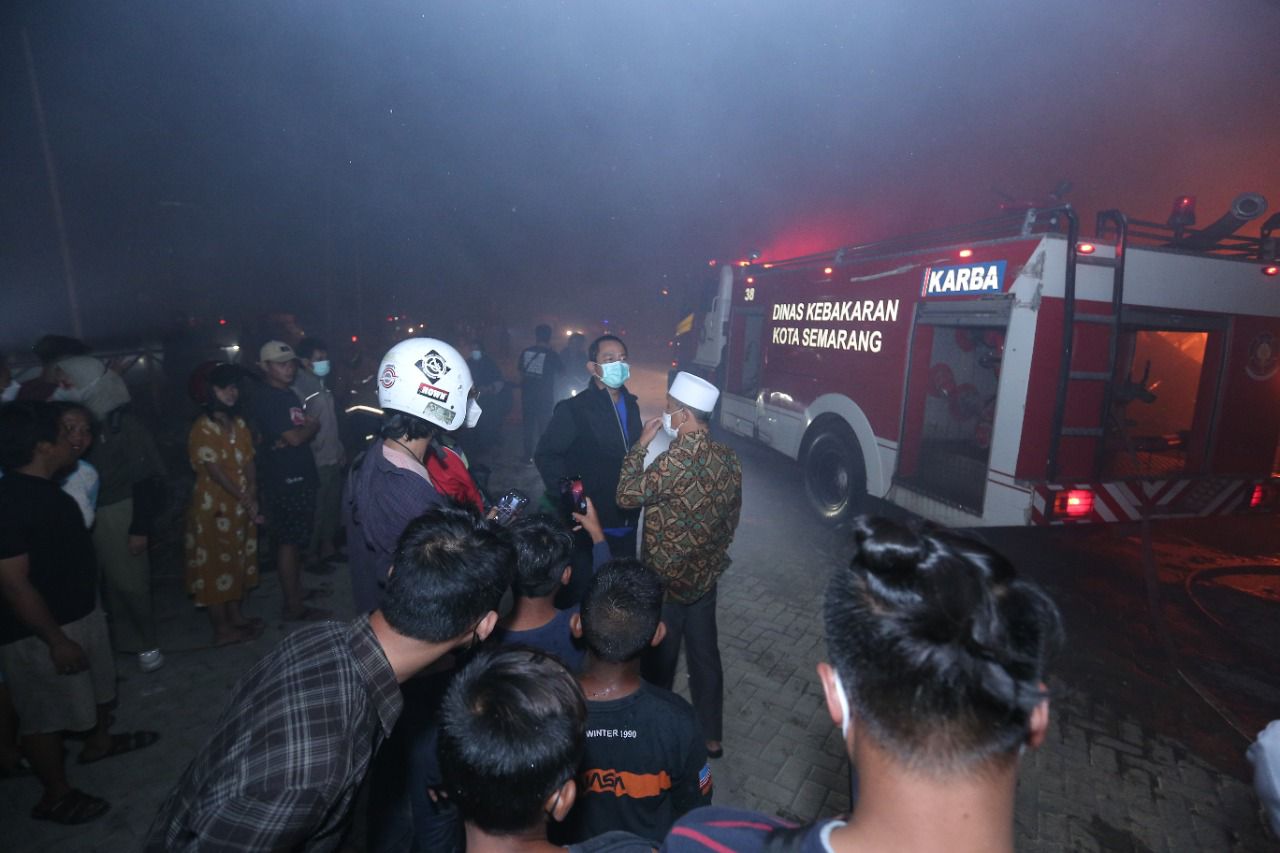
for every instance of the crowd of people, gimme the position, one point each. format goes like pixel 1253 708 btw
pixel 506 679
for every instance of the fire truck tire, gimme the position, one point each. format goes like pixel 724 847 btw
pixel 835 477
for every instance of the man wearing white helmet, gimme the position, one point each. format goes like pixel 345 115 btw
pixel 692 495
pixel 424 386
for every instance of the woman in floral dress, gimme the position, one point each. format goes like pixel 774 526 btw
pixel 222 537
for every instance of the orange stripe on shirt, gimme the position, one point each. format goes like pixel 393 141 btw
pixel 622 783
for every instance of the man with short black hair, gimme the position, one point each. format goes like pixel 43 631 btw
pixel 294 742
pixel 326 449
pixel 538 368
pixel 645 763
pixel 54 647
pixel 588 436
pixel 543 551
pixel 512 729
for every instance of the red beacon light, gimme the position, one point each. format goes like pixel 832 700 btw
pixel 222 321
pixel 1271 270
pixel 1086 248
pixel 1073 503
pixel 966 253
pixel 827 270
pixel 1183 214
pixel 355 339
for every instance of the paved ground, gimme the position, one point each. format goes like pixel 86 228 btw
pixel 1136 759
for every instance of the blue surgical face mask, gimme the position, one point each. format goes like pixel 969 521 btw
pixel 320 368
pixel 614 373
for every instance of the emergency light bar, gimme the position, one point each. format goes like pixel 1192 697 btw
pixel 1073 503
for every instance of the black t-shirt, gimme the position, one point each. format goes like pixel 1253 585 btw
pixel 40 520
pixel 538 366
pixel 273 412
pixel 645 765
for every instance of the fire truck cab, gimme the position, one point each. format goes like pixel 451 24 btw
pixel 1009 372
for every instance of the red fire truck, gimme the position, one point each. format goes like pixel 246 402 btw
pixel 1011 371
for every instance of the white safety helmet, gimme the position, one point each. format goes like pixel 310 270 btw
pixel 427 378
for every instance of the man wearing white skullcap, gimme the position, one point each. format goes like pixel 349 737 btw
pixel 692 495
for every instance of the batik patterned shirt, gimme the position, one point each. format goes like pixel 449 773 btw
pixel 692 496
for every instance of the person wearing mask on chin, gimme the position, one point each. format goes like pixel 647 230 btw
pixel 692 495
pixel 587 437
pixel 326 449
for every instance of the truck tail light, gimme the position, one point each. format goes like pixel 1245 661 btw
pixel 1086 248
pixel 1271 270
pixel 966 253
pixel 1263 496
pixel 1073 503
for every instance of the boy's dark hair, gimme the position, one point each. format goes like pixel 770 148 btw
pixel 450 569
pixel 593 351
pixel 51 348
pixel 543 549
pixel 621 610
pixel 941 649
pixel 23 425
pixel 404 426
pixel 513 725
pixel 307 347
pixel 67 407
pixel 542 334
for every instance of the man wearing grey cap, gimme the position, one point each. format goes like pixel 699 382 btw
pixel 692 496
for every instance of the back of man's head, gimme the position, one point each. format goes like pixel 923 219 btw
pixel 941 648
pixel 542 334
pixel 53 348
pixel 543 548
pixel 621 610
pixel 451 568
pixel 512 733
pixel 23 425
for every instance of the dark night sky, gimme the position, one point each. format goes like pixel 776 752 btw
pixel 565 160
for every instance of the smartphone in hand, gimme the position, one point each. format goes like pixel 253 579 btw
pixel 510 505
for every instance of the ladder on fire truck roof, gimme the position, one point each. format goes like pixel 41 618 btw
pixel 1067 374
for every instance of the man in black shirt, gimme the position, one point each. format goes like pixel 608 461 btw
pixel 54 648
pixel 286 470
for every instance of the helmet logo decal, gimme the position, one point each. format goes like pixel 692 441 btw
pixel 438 411
pixel 433 366
pixel 431 392
pixel 388 376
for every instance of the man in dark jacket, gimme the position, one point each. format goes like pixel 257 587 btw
pixel 588 435
pixel 538 367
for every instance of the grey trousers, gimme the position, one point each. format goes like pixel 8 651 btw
pixel 328 506
pixel 695 624
pixel 126 580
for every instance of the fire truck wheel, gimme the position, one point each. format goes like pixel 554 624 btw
pixel 835 479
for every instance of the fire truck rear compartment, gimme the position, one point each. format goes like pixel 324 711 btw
pixel 950 410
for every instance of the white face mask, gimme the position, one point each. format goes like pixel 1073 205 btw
pixel 473 414
pixel 320 368
pixel 666 424
pixel 846 720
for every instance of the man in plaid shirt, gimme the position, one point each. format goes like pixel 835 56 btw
pixel 293 745
pixel 692 496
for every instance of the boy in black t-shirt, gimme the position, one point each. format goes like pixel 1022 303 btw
pixel 510 739
pixel 54 648
pixel 286 471
pixel 646 760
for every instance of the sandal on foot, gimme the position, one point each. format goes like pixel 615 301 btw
pixel 309 614
pixel 71 808
pixel 122 743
